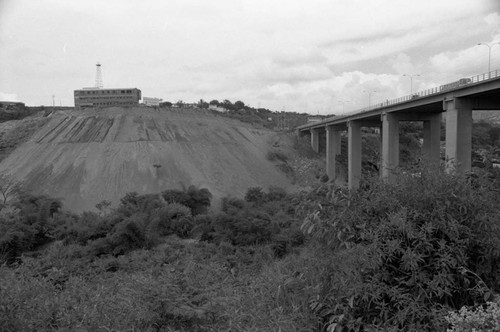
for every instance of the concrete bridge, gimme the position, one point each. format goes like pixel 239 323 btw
pixel 456 99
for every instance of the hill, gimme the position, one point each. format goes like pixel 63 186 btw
pixel 88 156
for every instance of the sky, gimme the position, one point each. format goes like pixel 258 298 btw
pixel 316 56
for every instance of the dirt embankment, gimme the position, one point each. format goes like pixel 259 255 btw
pixel 85 157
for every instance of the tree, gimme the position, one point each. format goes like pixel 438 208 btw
pixel 202 104
pixel 239 105
pixel 227 104
pixel 214 102
pixel 166 104
pixel 8 188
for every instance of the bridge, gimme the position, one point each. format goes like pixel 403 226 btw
pixel 457 100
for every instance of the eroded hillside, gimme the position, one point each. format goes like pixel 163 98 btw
pixel 85 157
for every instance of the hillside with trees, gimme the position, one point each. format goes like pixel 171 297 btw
pixel 421 253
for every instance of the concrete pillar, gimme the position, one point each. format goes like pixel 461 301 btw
pixel 390 144
pixel 431 147
pixel 315 139
pixel 353 154
pixel 458 134
pixel 332 150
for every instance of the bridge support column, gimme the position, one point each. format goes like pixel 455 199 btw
pixel 354 154
pixel 431 148
pixel 458 134
pixel 332 150
pixel 315 139
pixel 390 145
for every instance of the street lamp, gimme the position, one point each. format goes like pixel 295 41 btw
pixel 370 97
pixel 411 81
pixel 489 55
pixel 343 104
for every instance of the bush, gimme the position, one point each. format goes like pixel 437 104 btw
pixel 27 227
pixel 483 318
pixel 133 203
pixel 198 200
pixel 303 146
pixel 231 204
pixel 404 252
pixel 275 193
pixel 255 195
pixel 170 219
pixel 276 155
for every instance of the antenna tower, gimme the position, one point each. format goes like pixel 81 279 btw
pixel 98 76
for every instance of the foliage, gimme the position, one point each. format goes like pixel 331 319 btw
pixel 177 286
pixel 404 252
pixel 482 318
pixel 485 133
pixel 26 225
pixel 302 144
pixel 229 204
pixel 8 188
pixel 255 195
pixel 276 155
pixel 198 200
pixel 173 218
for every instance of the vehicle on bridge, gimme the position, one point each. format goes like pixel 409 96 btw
pixel 461 82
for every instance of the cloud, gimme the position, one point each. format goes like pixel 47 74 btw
pixel 493 20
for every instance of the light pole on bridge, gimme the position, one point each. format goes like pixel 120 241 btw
pixel 411 81
pixel 370 97
pixel 489 56
pixel 343 104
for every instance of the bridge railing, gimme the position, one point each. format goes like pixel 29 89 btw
pixel 424 93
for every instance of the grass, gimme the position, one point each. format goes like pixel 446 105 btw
pixel 180 285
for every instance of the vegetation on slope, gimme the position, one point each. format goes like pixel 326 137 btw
pixel 391 256
pixel 402 256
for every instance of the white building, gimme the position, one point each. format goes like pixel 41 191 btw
pixel 149 101
pixel 217 108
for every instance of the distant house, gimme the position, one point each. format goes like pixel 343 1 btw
pixel 149 101
pixel 97 97
pixel 218 108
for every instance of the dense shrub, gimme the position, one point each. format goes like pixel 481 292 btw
pixel 27 226
pixel 231 204
pixel 173 218
pixel 276 155
pixel 275 193
pixel 133 203
pixel 402 253
pixel 80 229
pixel 302 144
pixel 484 318
pixel 255 195
pixel 198 200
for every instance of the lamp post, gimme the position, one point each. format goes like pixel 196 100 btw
pixel 343 104
pixel 411 81
pixel 370 97
pixel 489 56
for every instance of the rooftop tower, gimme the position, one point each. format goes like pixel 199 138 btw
pixel 98 77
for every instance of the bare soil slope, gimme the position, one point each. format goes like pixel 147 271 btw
pixel 85 157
